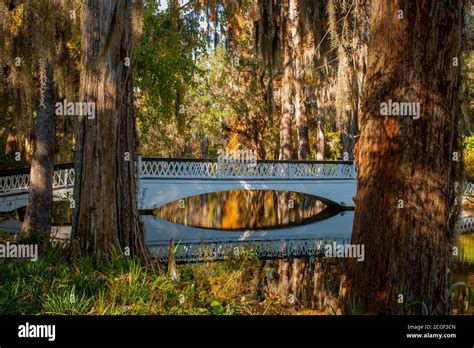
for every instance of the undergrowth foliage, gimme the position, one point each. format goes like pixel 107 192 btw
pixel 56 285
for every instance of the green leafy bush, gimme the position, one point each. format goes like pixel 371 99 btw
pixel 469 156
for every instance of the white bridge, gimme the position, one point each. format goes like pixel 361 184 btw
pixel 167 180
pixel 14 185
pixel 164 180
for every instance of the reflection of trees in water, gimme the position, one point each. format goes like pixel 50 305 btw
pixel 242 209
pixel 313 283
pixel 283 208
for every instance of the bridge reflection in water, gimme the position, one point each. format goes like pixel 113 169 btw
pixel 207 244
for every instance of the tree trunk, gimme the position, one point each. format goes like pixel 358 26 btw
pixel 298 80
pixel 286 117
pixel 349 111
pixel 286 97
pixel 204 147
pixel 319 142
pixel 106 217
pixel 40 199
pixel 285 145
pixel 407 161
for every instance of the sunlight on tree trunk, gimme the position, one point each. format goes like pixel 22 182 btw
pixel 319 142
pixel 404 204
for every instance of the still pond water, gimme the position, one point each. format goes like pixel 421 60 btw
pixel 233 211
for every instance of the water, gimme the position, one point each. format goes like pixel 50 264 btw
pixel 250 216
pixel 271 215
pixel 463 269
pixel 247 215
pixel 246 210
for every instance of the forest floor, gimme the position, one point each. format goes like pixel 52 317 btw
pixel 55 284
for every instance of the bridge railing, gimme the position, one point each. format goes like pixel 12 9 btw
pixel 15 181
pixel 213 169
pixel 63 178
pixel 18 180
pixel 465 224
pixel 469 189
pixel 265 249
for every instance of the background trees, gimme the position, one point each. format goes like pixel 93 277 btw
pixel 284 78
pixel 164 70
pixel 37 48
pixel 220 65
pixel 197 66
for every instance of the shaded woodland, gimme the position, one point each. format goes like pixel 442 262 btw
pixel 290 80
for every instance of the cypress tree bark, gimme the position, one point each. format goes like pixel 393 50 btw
pixel 106 218
pixel 405 195
pixel 287 111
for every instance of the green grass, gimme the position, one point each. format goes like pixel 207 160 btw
pixel 466 247
pixel 56 285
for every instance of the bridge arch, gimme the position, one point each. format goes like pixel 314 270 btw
pixel 166 180
pixel 156 193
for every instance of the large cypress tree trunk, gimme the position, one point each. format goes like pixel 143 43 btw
pixel 407 161
pixel 106 217
pixel 40 199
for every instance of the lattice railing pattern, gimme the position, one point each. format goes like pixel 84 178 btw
pixel 63 178
pixel 162 168
pixel 264 249
pixel 465 224
pixel 469 189
pixel 16 182
pixel 232 169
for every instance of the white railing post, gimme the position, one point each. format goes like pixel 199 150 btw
pixel 65 177
pixel 139 166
